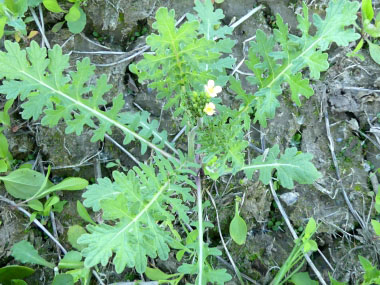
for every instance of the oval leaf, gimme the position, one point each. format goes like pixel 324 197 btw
pixel 374 51
pixel 63 279
pixel 52 5
pixel 23 183
pixel 238 230
pixel 10 272
pixel 77 26
pixel 73 15
pixel 73 234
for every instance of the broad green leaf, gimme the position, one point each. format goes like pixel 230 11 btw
pixel 63 279
pixel 238 227
pixel 36 205
pixel 302 278
pixel 73 234
pixel 367 10
pixel 376 226
pixel 71 260
pixel 53 6
pixel 82 212
pixel 238 230
pixel 68 184
pixel 156 274
pixel 74 13
pixel 12 272
pixel 77 26
pixel 24 252
pixel 291 166
pixel 23 183
pixel 374 51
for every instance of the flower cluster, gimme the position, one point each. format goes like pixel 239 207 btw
pixel 211 91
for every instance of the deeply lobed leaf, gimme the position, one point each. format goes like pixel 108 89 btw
pixel 272 67
pixel 49 92
pixel 136 204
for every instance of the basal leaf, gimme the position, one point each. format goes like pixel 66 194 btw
pixel 238 230
pixel 374 51
pixel 82 212
pixel 78 25
pixel 23 183
pixel 11 272
pixel 24 252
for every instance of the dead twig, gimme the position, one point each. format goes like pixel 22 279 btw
pixel 294 234
pixel 237 272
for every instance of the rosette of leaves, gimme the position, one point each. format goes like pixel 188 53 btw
pixel 185 58
pixel 281 58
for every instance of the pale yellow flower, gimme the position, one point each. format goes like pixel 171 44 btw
pixel 209 109
pixel 211 89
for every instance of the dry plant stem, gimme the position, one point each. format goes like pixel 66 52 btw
pixel 93 42
pixel 294 234
pixel 246 16
pixel 144 48
pixel 335 161
pixel 179 135
pixel 130 155
pixel 237 272
pixel 35 221
pixel 42 22
pixel 38 224
pixel 35 18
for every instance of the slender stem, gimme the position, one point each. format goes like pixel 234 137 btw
pixel 200 226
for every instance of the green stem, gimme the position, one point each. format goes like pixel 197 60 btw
pixel 287 265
